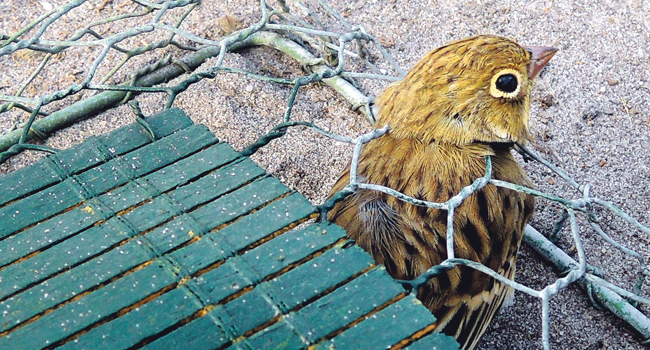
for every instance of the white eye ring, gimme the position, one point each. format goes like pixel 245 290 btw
pixel 495 92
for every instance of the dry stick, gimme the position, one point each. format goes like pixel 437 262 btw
pixel 241 39
pixel 101 102
pixel 110 99
pixel 606 297
pixel 316 65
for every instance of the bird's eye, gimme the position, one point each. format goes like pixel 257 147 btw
pixel 507 83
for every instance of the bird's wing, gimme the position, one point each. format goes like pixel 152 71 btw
pixel 409 239
pixel 467 321
pixel 463 300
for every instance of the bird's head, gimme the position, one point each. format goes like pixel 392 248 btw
pixel 472 90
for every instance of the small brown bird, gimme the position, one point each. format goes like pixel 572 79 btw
pixel 463 101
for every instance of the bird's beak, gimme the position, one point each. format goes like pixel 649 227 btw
pixel 539 57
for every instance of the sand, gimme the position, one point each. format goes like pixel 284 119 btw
pixel 589 115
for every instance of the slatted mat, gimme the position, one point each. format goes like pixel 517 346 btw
pixel 176 241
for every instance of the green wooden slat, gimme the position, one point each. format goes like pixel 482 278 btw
pixel 202 335
pixel 73 282
pixel 80 218
pixel 231 206
pixel 287 291
pixel 153 213
pixel 170 308
pixel 77 315
pixel 267 220
pixel 385 328
pixel 249 311
pixel 221 325
pixel 146 159
pixel 120 141
pixel 217 183
pixel 267 259
pixel 200 254
pixel 162 124
pixel 205 189
pixel 435 341
pixel 86 155
pixel 61 256
pixel 248 270
pixel 224 281
pixel 246 230
pixel 91 242
pixel 345 304
pixel 174 233
pixel 38 206
pixel 304 283
pixel 207 250
pixel 148 319
pixel 188 168
pixel 50 231
pixel 290 247
pixel 164 207
pixel 27 180
pixel 307 281
pixel 97 180
pixel 279 336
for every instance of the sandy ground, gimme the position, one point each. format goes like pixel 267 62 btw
pixel 590 116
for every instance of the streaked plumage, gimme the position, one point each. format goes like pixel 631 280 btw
pixel 458 104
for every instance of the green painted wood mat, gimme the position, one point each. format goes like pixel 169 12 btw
pixel 176 241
